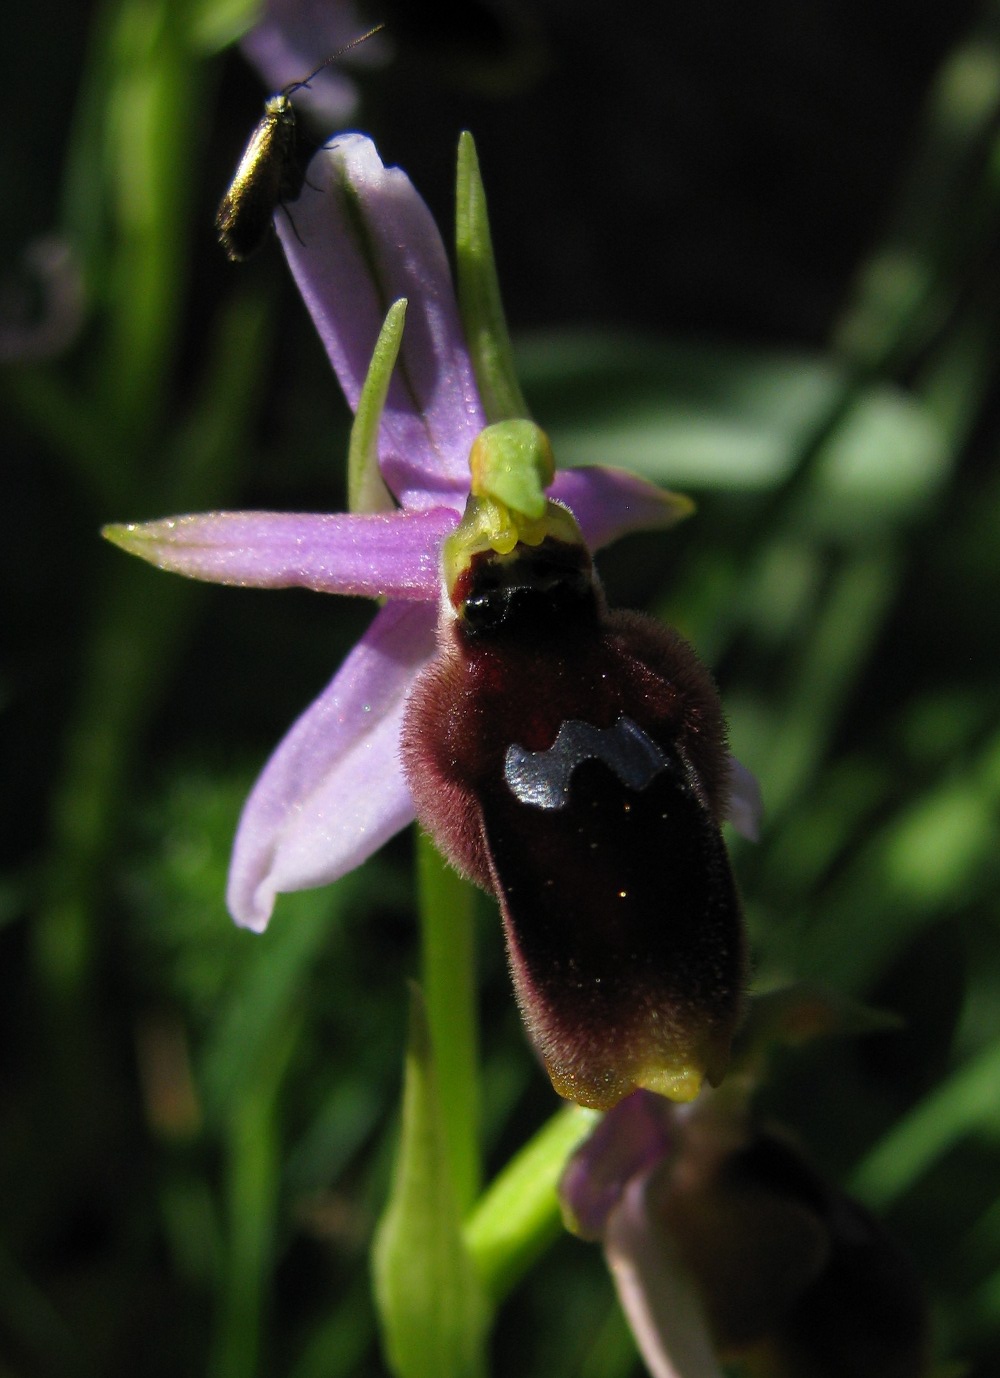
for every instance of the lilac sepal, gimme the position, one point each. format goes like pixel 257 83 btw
pixel 632 1138
pixel 659 1299
pixel 608 503
pixel 333 790
pixel 386 246
pixel 392 554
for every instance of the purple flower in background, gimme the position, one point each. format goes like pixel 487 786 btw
pixel 291 39
pixel 333 790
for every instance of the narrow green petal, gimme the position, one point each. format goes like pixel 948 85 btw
pixel 479 295
pixel 366 490
pixel 431 1306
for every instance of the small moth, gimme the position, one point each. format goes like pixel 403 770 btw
pixel 272 169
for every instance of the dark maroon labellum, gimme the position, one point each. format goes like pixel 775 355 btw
pixel 574 762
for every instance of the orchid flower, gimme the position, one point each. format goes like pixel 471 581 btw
pixel 727 1246
pixel 334 791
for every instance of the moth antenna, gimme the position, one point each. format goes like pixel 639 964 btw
pixel 295 228
pixel 362 38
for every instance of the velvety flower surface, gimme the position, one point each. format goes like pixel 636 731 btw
pixel 333 791
pixel 572 760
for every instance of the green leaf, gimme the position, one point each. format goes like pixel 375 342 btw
pixel 366 491
pixel 479 298
pixel 964 1104
pixel 678 412
pixel 430 1302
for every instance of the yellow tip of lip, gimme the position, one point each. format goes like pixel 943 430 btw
pixel 680 1083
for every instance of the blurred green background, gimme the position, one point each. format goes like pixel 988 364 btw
pixel 749 251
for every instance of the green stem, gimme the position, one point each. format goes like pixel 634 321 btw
pixel 519 1216
pixel 447 912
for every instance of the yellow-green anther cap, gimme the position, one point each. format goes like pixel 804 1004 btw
pixel 512 461
pixel 511 464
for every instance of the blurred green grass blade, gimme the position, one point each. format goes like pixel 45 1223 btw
pixel 269 990
pixel 128 653
pixel 347 1116
pixel 154 107
pixel 74 426
pixel 338 1345
pixel 966 1103
pixel 678 412
pixel 519 1215
pixel 446 905
pixel 85 208
pixel 832 647
pixel 431 1308
pixel 980 1313
pixel 683 413
pixel 192 1227
pixel 614 1353
pixel 253 1170
pixel 933 856
pixel 214 24
pixel 209 444
pixel 878 471
pixel 128 195
pixel 34 1326
pixel 945 210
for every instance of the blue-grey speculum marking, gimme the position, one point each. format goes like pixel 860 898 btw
pixel 542 778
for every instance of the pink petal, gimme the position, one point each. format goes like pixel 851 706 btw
pixel 631 1139
pixel 292 38
pixel 608 503
pixel 394 554
pixel 657 1296
pixel 333 790
pixel 363 238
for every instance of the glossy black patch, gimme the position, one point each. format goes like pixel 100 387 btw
pixel 542 778
pixel 527 593
pixel 622 897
